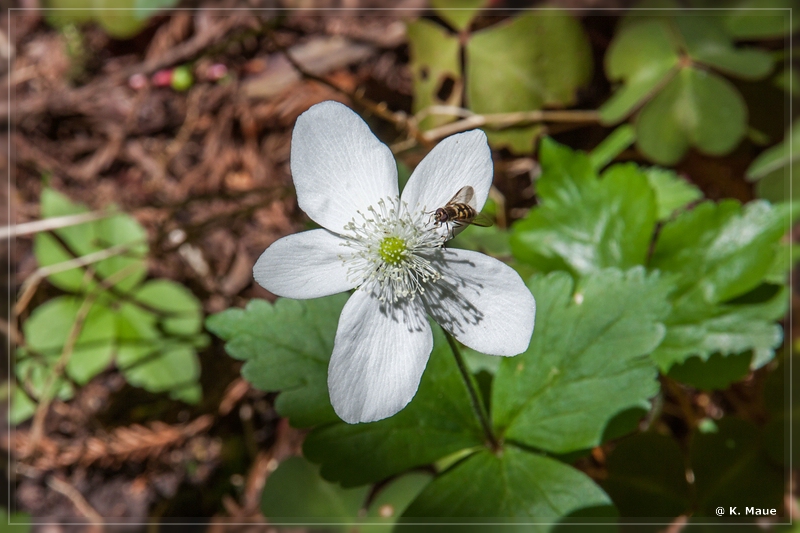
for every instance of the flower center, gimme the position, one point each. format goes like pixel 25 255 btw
pixel 392 251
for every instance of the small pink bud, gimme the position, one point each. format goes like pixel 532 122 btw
pixel 137 82
pixel 216 72
pixel 162 78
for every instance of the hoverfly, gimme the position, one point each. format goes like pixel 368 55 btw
pixel 460 212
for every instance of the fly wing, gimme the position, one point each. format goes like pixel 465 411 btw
pixel 465 195
pixel 483 220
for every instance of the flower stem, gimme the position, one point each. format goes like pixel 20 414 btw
pixel 477 403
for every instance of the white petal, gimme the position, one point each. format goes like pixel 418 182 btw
pixel 378 357
pixel 338 165
pixel 459 160
pixel 482 302
pixel 303 265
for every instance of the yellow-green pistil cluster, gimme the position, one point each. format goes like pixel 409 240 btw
pixel 392 251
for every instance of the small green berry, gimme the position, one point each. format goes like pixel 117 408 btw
pixel 182 79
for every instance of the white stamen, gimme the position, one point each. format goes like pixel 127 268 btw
pixel 410 237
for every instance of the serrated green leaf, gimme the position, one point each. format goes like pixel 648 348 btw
pixel 647 477
pixel 511 485
pixel 49 326
pixel 296 492
pixel 720 251
pixel 704 329
pixel 516 66
pixel 582 223
pixel 584 364
pixel 435 69
pixel 672 192
pixel 439 421
pixel 642 56
pixel 696 108
pixel 458 13
pixel 707 42
pixel 731 470
pixel 286 347
pixel 715 373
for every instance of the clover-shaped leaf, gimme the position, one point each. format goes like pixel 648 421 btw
pixel 117 230
pixel 696 108
pixel 435 69
pixel 532 61
pixel 642 56
pixel 661 62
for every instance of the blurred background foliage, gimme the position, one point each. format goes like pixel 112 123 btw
pixel 642 191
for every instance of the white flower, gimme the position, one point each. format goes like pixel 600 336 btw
pixel 389 250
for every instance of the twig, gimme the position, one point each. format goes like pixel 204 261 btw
pixel 50 224
pixel 29 286
pixel 77 499
pixel 504 120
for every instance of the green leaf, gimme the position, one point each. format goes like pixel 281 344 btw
pixel 491 241
pixel 642 56
pixel 87 238
pixel 732 470
pixel 286 347
pixel 707 42
pixel 435 69
pixel 458 13
pixel 180 309
pixel 715 373
pixel 511 485
pixel 392 500
pixel 672 192
pixel 149 8
pixel 774 167
pixel 704 329
pixel 646 477
pixel 720 251
pixel 49 326
pixel 513 66
pixel 613 145
pixel 518 140
pixel 752 21
pixel 583 224
pixel 296 492
pixel 696 108
pixel 22 407
pixel 584 364
pixel 439 421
